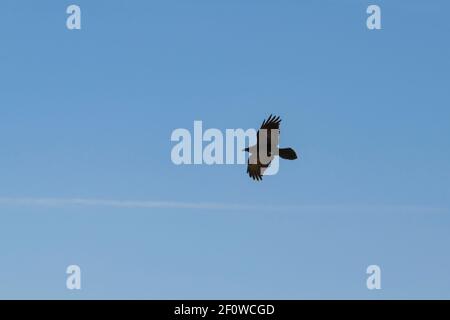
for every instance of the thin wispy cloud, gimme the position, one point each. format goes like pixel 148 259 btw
pixel 148 204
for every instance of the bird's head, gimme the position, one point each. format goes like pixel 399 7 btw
pixel 246 149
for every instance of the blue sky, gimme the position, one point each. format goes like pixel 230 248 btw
pixel 88 114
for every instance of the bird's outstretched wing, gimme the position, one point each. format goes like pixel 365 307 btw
pixel 255 168
pixel 254 171
pixel 272 122
pixel 271 128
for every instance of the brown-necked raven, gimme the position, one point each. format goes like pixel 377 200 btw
pixel 267 137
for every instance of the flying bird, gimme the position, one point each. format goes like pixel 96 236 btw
pixel 261 154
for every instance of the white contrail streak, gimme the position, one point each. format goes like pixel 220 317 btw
pixel 131 204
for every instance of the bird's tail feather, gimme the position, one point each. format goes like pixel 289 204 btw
pixel 287 153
